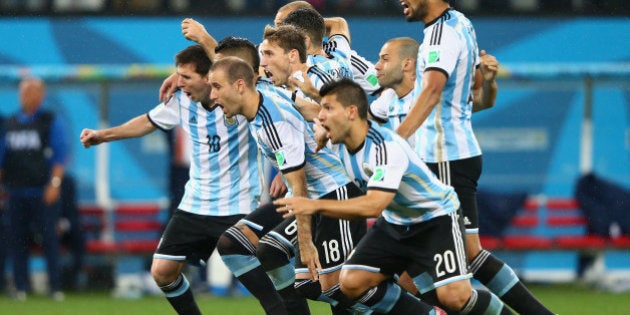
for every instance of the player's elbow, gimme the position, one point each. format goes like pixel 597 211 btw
pixel 374 209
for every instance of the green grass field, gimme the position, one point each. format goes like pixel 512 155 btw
pixel 563 299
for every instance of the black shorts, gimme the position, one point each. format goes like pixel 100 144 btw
pixel 462 175
pixel 192 237
pixel 334 238
pixel 432 252
pixel 264 219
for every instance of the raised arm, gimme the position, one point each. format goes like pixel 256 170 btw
pixel 196 32
pixel 337 25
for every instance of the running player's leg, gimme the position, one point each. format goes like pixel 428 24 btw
pixel 335 239
pixel 276 254
pixel 440 264
pixel 238 246
pixel 497 276
pixel 366 277
pixel 187 238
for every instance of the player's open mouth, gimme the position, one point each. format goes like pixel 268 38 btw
pixel 268 74
pixel 215 105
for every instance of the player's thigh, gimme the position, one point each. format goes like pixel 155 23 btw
pixel 335 239
pixel 191 237
pixel 439 256
pixel 262 220
pixel 378 251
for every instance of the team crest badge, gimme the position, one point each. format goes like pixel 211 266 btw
pixel 231 121
pixel 366 168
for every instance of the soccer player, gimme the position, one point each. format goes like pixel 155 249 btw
pixel 396 73
pixel 322 67
pixel 286 139
pixel 417 230
pixel 224 182
pixel 447 59
pixel 283 53
pixel 362 69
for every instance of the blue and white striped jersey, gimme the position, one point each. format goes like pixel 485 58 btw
pixel 322 70
pixel 450 46
pixel 363 71
pixel 390 110
pixel 286 139
pixel 224 178
pixel 387 162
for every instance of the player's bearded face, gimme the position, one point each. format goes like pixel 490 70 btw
pixel 388 68
pixel 414 10
pixel 191 83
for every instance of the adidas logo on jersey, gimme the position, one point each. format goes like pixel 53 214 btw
pixel 192 120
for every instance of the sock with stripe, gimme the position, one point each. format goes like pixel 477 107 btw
pixel 483 302
pixel 275 257
pixel 389 298
pixel 239 255
pixel 180 296
pixel 341 304
pixel 501 280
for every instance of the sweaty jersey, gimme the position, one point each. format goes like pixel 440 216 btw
pixel 285 138
pixel 449 46
pixel 224 178
pixel 389 110
pixel 323 69
pixel 386 162
pixel 363 71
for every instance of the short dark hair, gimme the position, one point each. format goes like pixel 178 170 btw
pixel 287 37
pixel 310 22
pixel 194 54
pixel 348 93
pixel 239 47
pixel 235 68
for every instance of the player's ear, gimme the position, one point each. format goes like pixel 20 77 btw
pixel 353 111
pixel 407 64
pixel 240 86
pixel 294 55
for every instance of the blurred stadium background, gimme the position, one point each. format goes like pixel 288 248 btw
pixel 563 110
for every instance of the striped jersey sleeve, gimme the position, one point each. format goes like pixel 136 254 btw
pixel 287 140
pixel 364 73
pixel 387 163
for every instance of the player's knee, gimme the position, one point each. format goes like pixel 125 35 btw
pixel 233 241
pixel 455 295
pixel 352 284
pixel 272 252
pixel 163 274
pixel 225 245
pixel 308 289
